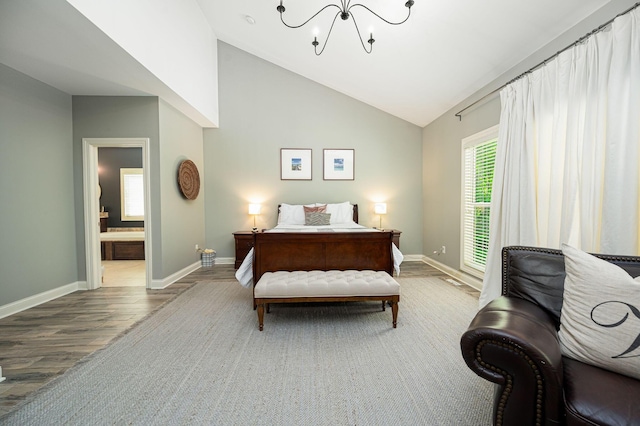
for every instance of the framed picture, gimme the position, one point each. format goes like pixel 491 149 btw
pixel 295 164
pixel 338 164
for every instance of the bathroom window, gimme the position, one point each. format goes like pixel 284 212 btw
pixel 131 194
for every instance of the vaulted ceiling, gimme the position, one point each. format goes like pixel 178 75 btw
pixel 444 53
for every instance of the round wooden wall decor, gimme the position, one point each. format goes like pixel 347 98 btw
pixel 189 179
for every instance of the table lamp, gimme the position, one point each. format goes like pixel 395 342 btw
pixel 380 209
pixel 254 210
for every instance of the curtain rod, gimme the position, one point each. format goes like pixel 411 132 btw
pixel 550 58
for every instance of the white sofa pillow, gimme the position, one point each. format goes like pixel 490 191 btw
pixel 600 316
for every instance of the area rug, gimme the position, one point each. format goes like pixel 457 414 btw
pixel 201 360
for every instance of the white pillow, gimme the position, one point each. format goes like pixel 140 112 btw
pixel 340 213
pixel 292 214
pixel 600 316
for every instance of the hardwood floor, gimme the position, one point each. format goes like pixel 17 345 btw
pixel 41 343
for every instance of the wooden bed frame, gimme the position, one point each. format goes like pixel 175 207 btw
pixel 322 251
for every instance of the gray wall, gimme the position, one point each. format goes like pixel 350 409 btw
pixel 42 227
pixel 442 144
pixel 176 225
pixel 264 108
pixel 442 178
pixel 182 220
pixel 116 117
pixel 38 250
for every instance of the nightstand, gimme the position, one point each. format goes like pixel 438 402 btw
pixel 396 236
pixel 244 243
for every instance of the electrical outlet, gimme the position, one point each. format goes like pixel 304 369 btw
pixel 444 250
pixel 197 247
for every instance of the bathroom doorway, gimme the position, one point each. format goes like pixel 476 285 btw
pixel 121 194
pixel 109 236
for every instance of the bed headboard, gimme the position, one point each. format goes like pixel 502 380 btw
pixel 355 212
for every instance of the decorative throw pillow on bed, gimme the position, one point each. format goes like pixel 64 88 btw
pixel 316 218
pixel 321 208
pixel 600 316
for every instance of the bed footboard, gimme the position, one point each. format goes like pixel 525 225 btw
pixel 322 251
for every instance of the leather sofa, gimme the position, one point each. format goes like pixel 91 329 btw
pixel 513 342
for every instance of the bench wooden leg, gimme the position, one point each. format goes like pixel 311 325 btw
pixel 261 316
pixel 384 305
pixel 394 313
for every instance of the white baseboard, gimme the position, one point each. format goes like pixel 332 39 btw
pixel 225 260
pixel 37 299
pixel 467 279
pixel 412 258
pixel 166 282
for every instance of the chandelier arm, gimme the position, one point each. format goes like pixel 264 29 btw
pixel 360 36
pixel 307 21
pixel 326 40
pixel 378 16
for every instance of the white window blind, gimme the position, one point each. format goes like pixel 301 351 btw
pixel 131 194
pixel 479 155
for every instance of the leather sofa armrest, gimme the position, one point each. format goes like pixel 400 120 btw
pixel 514 343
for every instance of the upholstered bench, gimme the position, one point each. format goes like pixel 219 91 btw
pixel 326 286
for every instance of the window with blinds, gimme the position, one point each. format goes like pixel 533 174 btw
pixel 479 156
pixel 131 194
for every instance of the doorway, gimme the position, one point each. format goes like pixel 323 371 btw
pixel 121 197
pixel 93 211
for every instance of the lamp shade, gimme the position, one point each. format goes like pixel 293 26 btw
pixel 380 208
pixel 254 208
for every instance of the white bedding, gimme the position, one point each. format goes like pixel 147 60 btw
pixel 122 236
pixel 336 227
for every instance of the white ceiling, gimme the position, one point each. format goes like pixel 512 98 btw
pixel 444 53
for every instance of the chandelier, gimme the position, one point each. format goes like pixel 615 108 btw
pixel 344 12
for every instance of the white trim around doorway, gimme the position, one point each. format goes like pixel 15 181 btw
pixel 91 209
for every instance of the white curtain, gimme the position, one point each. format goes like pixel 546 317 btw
pixel 569 152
